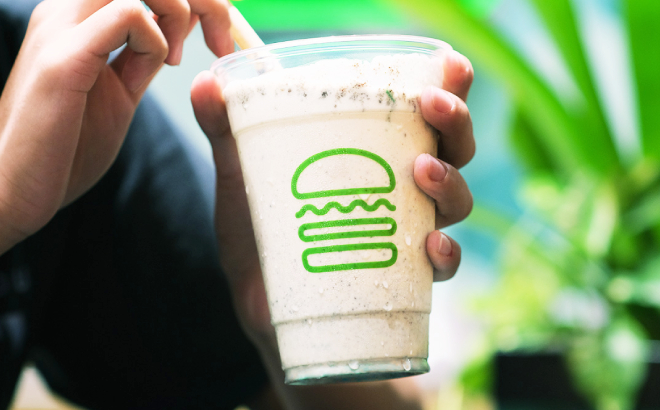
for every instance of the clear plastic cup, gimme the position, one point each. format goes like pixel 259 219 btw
pixel 328 130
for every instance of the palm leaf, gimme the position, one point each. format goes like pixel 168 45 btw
pixel 526 143
pixel 559 18
pixel 569 145
pixel 643 17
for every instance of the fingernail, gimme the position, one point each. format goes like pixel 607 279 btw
pixel 443 101
pixel 437 169
pixel 444 248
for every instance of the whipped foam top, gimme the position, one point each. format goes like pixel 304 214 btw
pixel 386 83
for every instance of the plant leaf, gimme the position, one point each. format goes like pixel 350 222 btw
pixel 560 20
pixel 642 20
pixel 527 145
pixel 565 140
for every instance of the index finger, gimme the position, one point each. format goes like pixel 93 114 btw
pixel 173 20
pixel 214 16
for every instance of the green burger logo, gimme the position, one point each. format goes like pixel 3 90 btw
pixel 341 229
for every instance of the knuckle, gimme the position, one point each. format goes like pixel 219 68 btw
pixel 467 74
pixel 41 12
pixel 130 10
pixel 464 75
pixel 66 68
pixel 162 49
pixel 185 8
pixel 53 65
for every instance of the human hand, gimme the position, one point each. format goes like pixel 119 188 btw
pixel 65 110
pixel 445 109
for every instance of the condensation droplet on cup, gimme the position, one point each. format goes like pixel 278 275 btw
pixel 388 306
pixel 410 287
pixel 354 364
pixel 382 343
pixel 406 365
pixel 320 290
pixel 309 322
pixel 294 308
pixel 385 284
pixel 245 106
pixel 408 240
pixel 364 197
pixel 411 352
pixel 247 190
pixel 412 304
pixel 376 282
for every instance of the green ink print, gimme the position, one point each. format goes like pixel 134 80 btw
pixel 347 234
pixel 346 191
pixel 389 94
pixel 349 266
pixel 368 232
pixel 345 209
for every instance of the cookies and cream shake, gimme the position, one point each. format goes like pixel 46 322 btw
pixel 327 138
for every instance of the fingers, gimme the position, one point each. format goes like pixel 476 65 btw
pixel 119 22
pixel 173 20
pixel 177 17
pixel 214 16
pixel 458 74
pixel 445 255
pixel 446 186
pixel 449 115
pixel 445 109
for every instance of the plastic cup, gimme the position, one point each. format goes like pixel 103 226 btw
pixel 327 132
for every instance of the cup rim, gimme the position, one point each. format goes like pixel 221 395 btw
pixel 400 42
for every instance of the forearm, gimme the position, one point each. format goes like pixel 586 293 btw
pixel 399 394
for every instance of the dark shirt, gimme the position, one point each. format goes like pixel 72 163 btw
pixel 120 301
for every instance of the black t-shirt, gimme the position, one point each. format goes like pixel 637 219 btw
pixel 120 300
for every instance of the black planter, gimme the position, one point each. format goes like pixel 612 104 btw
pixel 541 382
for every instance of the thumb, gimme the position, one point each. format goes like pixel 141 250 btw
pixel 237 246
pixel 238 249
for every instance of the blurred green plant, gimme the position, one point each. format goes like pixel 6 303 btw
pixel 580 270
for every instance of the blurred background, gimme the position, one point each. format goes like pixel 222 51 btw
pixel 556 304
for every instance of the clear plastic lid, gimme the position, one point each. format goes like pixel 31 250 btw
pixel 246 64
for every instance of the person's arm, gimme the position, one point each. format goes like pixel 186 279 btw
pixel 446 111
pixel 65 110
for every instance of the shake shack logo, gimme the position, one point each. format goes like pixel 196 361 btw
pixel 379 254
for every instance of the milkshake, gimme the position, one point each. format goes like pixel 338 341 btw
pixel 327 132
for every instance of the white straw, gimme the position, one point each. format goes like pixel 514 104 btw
pixel 243 34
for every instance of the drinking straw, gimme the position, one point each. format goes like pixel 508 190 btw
pixel 243 34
